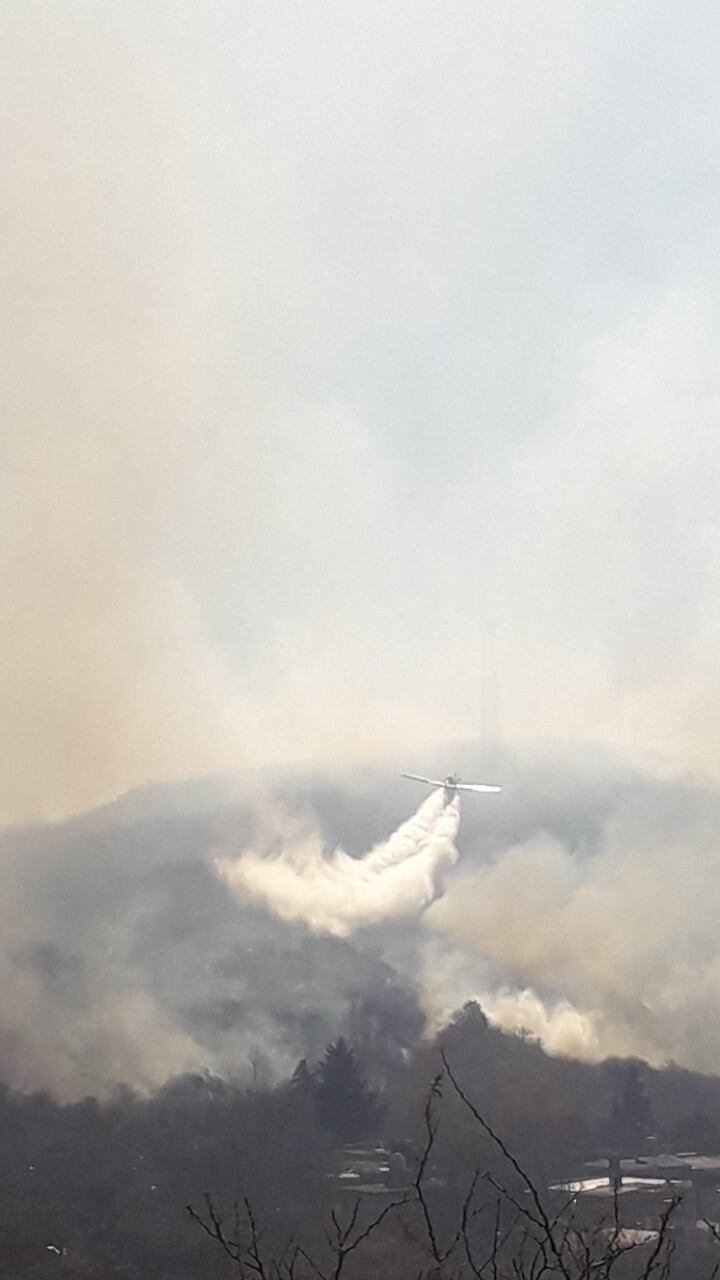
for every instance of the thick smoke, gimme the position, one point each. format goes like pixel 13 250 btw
pixel 146 537
pixel 557 1025
pixel 335 893
pixel 123 956
pixel 251 297
pixel 582 913
pixel 607 947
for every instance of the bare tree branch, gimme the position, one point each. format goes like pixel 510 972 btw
pixel 542 1217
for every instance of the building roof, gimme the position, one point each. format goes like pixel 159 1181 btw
pixel 604 1189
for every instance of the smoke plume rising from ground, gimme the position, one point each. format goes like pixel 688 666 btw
pixel 582 912
pixel 124 957
pixel 614 948
pixel 558 1027
pixel 332 338
pixel 338 894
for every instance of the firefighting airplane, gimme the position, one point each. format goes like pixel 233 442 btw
pixel 452 784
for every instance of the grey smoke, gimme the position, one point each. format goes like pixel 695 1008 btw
pixel 331 336
pixel 124 958
pixel 594 929
pixel 582 910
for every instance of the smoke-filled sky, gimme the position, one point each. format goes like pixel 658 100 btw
pixel 360 385
pixel 360 395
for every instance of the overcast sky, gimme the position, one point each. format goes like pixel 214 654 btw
pixel 360 384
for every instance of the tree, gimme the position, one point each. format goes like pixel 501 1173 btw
pixel 302 1081
pixel 631 1113
pixel 499 1226
pixel 347 1109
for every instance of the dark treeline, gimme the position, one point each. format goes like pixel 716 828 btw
pixel 101 1188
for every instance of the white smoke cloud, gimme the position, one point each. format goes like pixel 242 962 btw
pixel 335 893
pixel 450 977
pixel 603 952
pixel 559 1027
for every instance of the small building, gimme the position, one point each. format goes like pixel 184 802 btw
pixel 369 1169
pixel 643 1186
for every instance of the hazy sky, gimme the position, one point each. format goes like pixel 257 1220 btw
pixel 335 335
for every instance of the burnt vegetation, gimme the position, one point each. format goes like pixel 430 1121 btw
pixel 475 1137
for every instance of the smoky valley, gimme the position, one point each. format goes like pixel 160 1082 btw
pixel 247 1032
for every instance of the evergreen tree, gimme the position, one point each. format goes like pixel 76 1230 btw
pixel 302 1080
pixel 631 1115
pixel 347 1109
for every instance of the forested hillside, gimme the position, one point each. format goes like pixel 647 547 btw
pixel 108 1183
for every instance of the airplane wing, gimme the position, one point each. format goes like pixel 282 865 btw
pixel 415 777
pixel 476 786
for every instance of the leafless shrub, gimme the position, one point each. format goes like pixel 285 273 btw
pixel 502 1230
